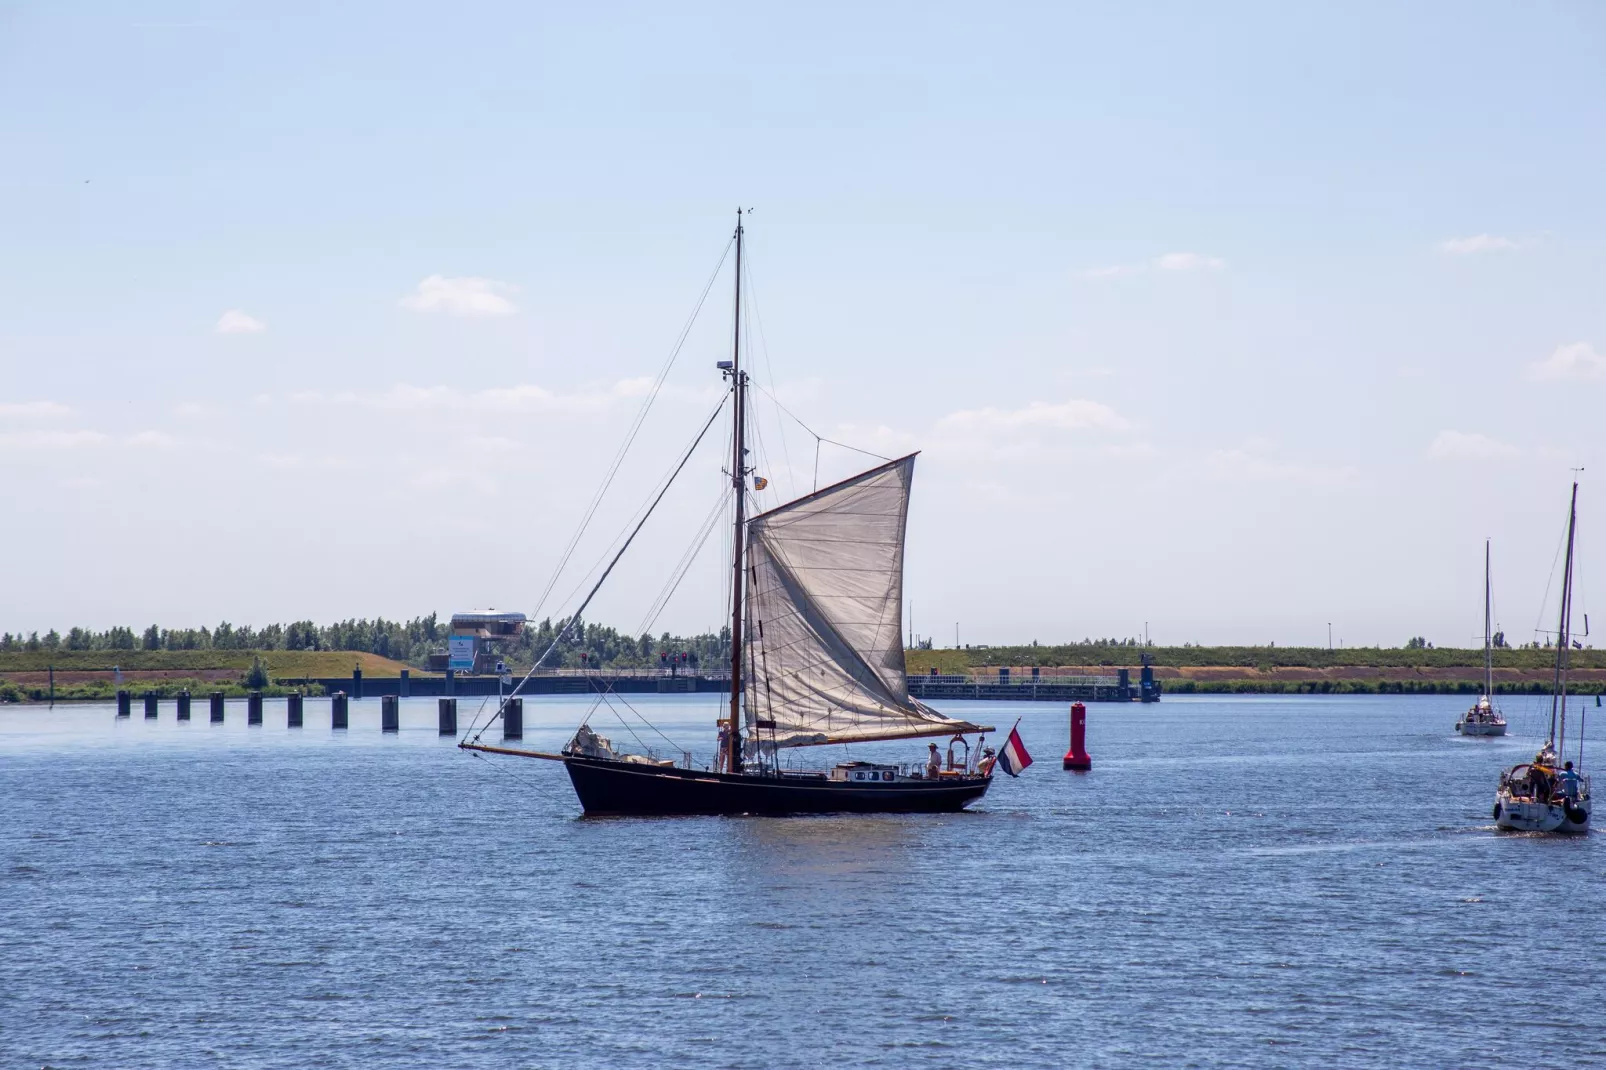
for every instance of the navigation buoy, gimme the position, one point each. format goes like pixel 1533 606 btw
pixel 1077 758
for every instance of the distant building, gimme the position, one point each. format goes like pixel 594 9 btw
pixel 473 639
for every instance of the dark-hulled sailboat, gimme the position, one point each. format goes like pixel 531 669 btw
pixel 817 658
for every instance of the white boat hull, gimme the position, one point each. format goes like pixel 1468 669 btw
pixel 1526 815
pixel 1479 728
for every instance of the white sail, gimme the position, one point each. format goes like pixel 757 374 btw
pixel 824 618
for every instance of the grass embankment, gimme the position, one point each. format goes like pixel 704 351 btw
pixel 1285 670
pixel 91 674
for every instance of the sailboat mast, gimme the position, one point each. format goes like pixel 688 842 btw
pixel 1488 640
pixel 1558 697
pixel 733 736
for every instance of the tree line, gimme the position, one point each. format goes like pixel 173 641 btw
pixel 583 645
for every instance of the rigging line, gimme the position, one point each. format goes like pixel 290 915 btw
pixel 667 478
pixel 623 723
pixel 539 788
pixel 817 436
pixel 609 570
pixel 1548 581
pixel 704 529
pixel 644 720
pixel 635 428
pixel 684 566
pixel 769 366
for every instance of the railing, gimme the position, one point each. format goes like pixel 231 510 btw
pixel 971 679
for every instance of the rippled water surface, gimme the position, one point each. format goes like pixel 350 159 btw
pixel 1253 882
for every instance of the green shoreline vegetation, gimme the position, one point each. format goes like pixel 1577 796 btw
pixel 203 660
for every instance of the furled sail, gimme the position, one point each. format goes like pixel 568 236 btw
pixel 825 615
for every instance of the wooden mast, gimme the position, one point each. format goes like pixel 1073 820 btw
pixel 1488 640
pixel 1558 697
pixel 733 735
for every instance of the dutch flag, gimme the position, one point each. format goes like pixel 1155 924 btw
pixel 1013 758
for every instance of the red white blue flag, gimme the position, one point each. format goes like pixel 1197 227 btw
pixel 1013 758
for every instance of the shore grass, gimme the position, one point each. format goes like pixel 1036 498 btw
pixel 1247 657
pixel 295 664
pixel 105 691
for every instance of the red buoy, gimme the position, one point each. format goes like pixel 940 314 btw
pixel 1077 757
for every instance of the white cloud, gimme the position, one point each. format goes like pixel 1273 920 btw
pixel 153 439
pixel 1469 446
pixel 462 296
pixel 520 397
pixel 407 397
pixel 50 440
pixel 33 410
pixel 196 410
pixel 1114 271
pixel 1260 461
pixel 1577 360
pixel 1188 262
pixel 1077 414
pixel 1478 243
pixel 235 321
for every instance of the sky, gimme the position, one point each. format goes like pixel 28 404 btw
pixel 1230 321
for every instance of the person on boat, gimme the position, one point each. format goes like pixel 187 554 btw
pixel 985 765
pixel 1569 783
pixel 933 762
pixel 724 746
pixel 1539 783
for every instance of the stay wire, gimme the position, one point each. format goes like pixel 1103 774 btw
pixel 817 436
pixel 769 365
pixel 605 574
pixel 661 602
pixel 635 429
pixel 669 476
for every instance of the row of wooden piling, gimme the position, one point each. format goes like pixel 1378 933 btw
pixel 389 711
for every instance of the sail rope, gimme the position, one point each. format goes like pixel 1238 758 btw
pixel 769 366
pixel 630 435
pixel 576 615
pixel 676 575
pixel 608 551
pixel 818 438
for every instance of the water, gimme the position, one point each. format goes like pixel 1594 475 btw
pixel 1240 881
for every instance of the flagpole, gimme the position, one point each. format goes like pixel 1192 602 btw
pixel 1013 776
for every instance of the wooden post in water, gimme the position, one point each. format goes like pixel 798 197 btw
pixel 337 710
pixel 150 705
pixel 513 719
pixel 184 705
pixel 217 707
pixel 124 704
pixel 406 684
pixel 389 713
pixel 448 717
pixel 253 708
pixel 52 685
pixel 293 705
pixel 356 682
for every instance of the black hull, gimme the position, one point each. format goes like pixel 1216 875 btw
pixel 620 788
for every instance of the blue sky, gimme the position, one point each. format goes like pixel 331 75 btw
pixel 1236 320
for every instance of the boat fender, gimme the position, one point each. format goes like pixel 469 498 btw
pixel 1497 811
pixel 1575 814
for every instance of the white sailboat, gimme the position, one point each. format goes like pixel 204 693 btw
pixel 1548 794
pixel 1484 718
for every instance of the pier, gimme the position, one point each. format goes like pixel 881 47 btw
pixel 1027 685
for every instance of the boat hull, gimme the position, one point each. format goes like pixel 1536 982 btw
pixel 1477 728
pixel 1526 815
pixel 617 788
